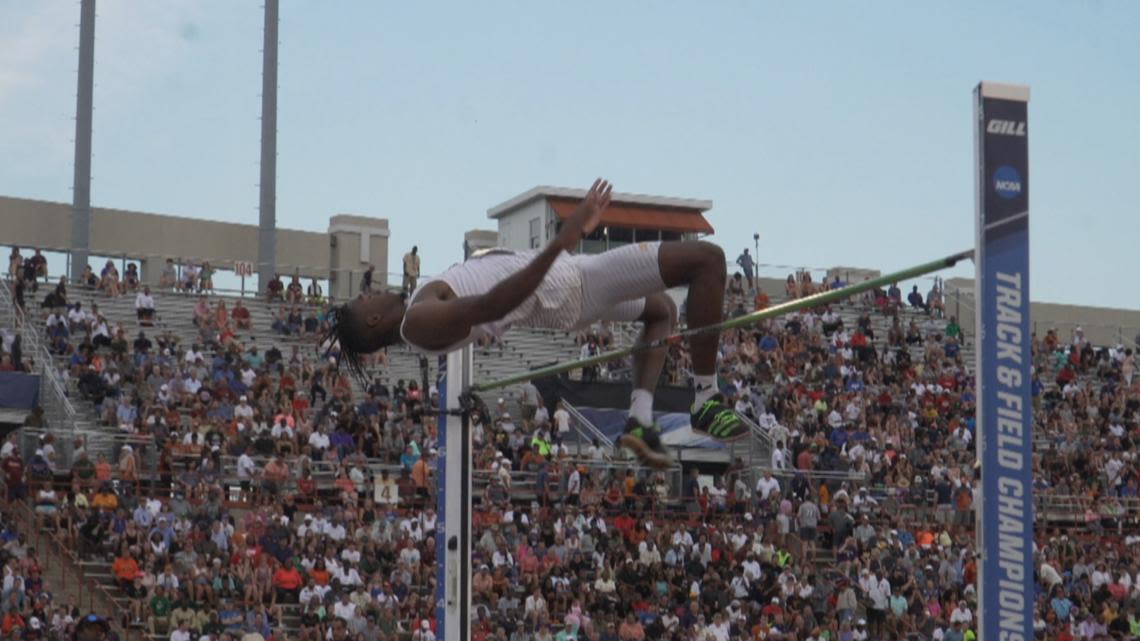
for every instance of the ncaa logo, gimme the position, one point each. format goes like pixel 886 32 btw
pixel 1007 182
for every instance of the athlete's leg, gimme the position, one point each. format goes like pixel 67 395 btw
pixel 701 266
pixel 625 285
pixel 658 318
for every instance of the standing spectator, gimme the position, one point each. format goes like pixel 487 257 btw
pixel 366 280
pixel 411 269
pixel 15 264
pixel 144 307
pixel 561 419
pixel 749 267
pixel 530 401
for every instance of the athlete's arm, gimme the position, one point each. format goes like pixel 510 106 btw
pixel 437 323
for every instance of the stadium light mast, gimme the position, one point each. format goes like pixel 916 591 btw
pixel 84 105
pixel 267 208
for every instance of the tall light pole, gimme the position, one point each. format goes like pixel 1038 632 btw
pixel 267 208
pixel 84 105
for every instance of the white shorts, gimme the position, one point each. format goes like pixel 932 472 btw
pixel 615 283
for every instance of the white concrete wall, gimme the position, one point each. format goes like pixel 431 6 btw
pixel 514 228
pixel 151 238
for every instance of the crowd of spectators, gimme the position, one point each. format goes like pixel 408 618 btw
pixel 865 530
pixel 30 609
pixel 327 535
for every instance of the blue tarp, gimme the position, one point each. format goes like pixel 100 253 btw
pixel 19 391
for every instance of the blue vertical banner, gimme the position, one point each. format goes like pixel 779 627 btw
pixel 1004 410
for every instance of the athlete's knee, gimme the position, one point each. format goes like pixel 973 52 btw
pixel 660 307
pixel 713 259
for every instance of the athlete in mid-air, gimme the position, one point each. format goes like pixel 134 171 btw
pixel 553 289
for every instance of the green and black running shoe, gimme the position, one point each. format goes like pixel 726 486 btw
pixel 718 420
pixel 645 443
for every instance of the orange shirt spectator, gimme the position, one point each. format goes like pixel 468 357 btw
pixel 12 620
pixel 105 500
pixel 125 568
pixel 631 630
pixel 628 484
pixel 925 539
pixel 102 470
pixel 287 578
pixel 420 473
pixel 761 301
pixel 320 576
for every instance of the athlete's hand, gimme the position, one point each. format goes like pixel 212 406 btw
pixel 585 218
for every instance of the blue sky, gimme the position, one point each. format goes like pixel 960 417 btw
pixel 841 132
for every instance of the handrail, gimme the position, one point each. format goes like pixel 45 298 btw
pixel 585 427
pixel 757 431
pixel 394 278
pixel 32 339
pixel 789 472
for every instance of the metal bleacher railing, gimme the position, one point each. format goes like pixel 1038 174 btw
pixel 55 400
pixel 323 274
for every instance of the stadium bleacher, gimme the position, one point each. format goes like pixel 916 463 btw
pixel 859 527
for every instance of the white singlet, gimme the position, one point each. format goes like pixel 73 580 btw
pixel 577 290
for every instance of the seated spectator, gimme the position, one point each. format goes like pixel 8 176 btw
pixel 240 314
pixel 294 321
pixel 189 278
pixel 275 289
pixel 88 278
pixel 221 314
pixel 131 278
pixel 144 307
pixel 206 277
pixel 315 293
pixel 202 314
pixel 915 300
pixel 294 293
pixel 281 322
pixel 934 302
pixel 169 277
pixel 109 280
pixel 58 296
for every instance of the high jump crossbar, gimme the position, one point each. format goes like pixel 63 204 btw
pixel 822 298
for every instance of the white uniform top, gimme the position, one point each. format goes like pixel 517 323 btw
pixel 556 304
